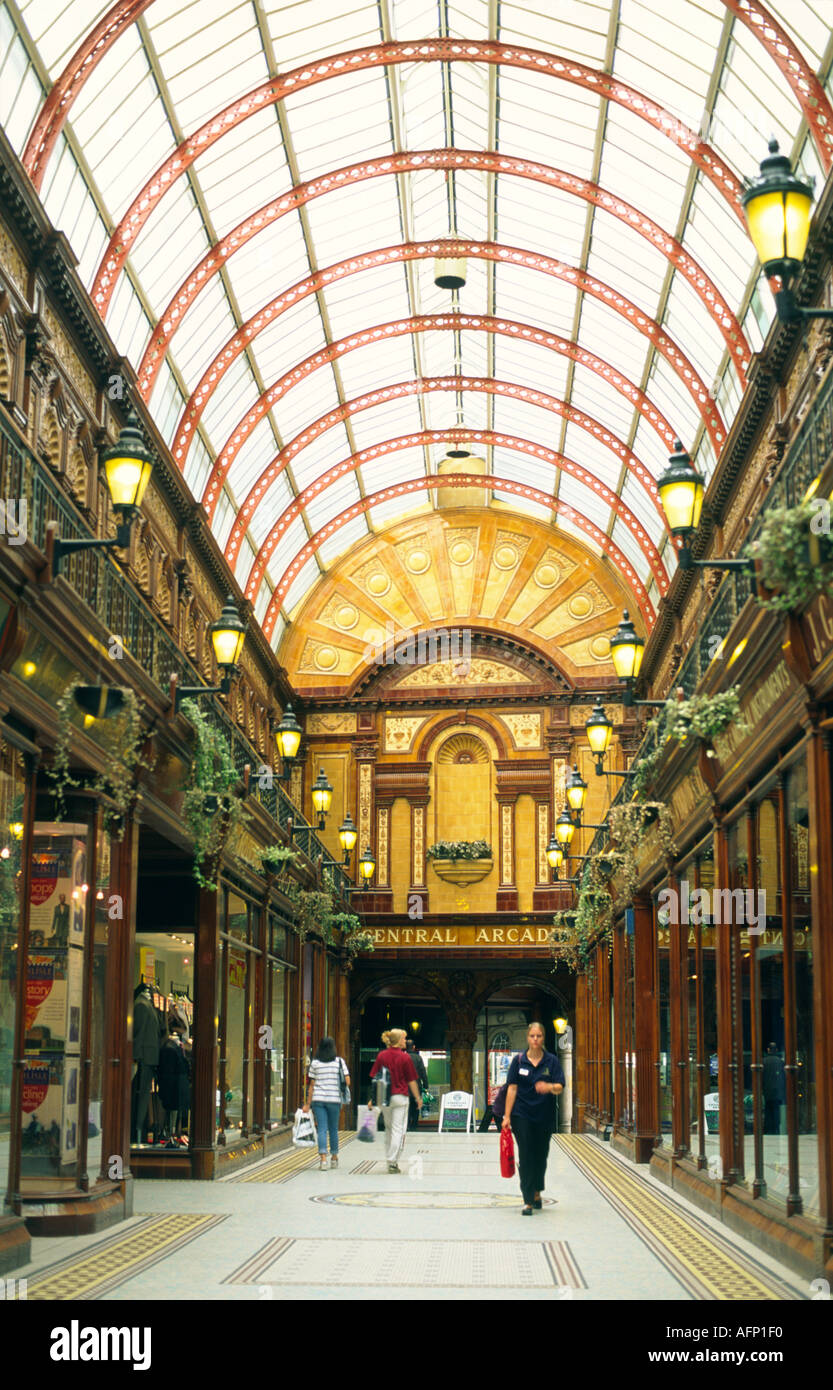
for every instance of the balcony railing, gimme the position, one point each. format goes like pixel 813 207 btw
pixel 124 613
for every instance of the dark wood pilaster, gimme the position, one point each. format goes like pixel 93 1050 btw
pixel 820 789
pixel 647 1028
pixel 678 999
pixel 118 1043
pixel 618 1045
pixel 205 1051
pixel 726 986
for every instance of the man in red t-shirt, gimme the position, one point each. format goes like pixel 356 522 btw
pixel 403 1078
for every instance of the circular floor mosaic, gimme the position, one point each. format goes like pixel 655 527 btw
pixel 411 1200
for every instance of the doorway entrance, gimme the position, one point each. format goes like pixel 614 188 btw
pixel 502 1025
pixel 406 1005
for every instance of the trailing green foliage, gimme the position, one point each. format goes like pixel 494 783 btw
pixel 628 824
pixel 211 808
pixel 313 912
pixel 794 557
pixel 122 737
pixel 277 860
pixel 355 938
pixel 459 849
pixel 702 716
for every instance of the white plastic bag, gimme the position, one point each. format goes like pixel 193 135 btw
pixel 304 1133
pixel 366 1123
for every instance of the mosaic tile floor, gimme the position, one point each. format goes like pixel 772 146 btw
pixel 447 1225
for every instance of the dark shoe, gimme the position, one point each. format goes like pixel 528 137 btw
pixel 537 1203
pixel 527 1211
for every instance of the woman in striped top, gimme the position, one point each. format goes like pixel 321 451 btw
pixel 324 1094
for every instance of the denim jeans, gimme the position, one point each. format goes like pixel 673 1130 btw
pixel 326 1114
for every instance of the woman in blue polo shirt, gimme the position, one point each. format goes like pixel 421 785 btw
pixel 534 1079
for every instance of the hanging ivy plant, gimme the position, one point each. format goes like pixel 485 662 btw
pixel 459 849
pixel 211 808
pixel 794 558
pixel 123 738
pixel 355 938
pixel 313 913
pixel 628 824
pixel 700 716
pixel 277 861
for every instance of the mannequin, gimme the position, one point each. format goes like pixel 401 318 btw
pixel 145 1057
pixel 174 1083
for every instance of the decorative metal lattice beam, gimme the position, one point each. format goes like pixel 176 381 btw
pixel 426 323
pixel 402 390
pixel 55 110
pixel 434 437
pixel 412 251
pixel 409 485
pixel 602 84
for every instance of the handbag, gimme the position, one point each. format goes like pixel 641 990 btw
pixel 304 1133
pixel 344 1089
pixel 507 1153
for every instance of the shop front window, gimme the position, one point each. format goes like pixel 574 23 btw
pixel 237 1021
pixel 798 823
pixel 664 1068
pixel 275 1075
pixel 163 1025
pixel 55 1013
pixel 709 1147
pixel 12 788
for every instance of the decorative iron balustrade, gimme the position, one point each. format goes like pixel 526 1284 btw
pixel 124 613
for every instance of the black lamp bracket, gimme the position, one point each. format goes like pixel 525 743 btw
pixel 178 692
pixel 790 311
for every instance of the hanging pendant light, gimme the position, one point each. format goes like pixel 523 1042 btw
pixel 449 268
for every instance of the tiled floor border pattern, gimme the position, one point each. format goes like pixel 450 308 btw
pixel 286 1165
pixel 118 1257
pixel 558 1259
pixel 707 1265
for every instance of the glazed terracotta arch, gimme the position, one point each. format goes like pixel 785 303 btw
pixel 803 82
pixel 279 88
pixel 447 159
pixel 470 480
pixel 411 251
pixel 427 323
pixel 366 682
pixel 423 386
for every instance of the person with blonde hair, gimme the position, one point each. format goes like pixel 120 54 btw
pixel 403 1079
pixel 533 1080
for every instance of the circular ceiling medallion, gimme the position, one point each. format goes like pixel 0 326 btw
pixel 506 557
pixel 346 617
pixel 378 583
pixel 580 606
pixel 418 561
pixel 326 658
pixel 600 648
pixel 547 576
pixel 462 552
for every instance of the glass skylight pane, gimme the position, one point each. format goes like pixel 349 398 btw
pixel 575 29
pixel 522 468
pixel 307 30
pixel 595 508
pixel 301 586
pixel 508 501
pixel 631 549
pixel 384 514
pixel 350 534
pixel 334 500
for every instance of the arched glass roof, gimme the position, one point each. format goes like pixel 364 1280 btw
pixel 256 191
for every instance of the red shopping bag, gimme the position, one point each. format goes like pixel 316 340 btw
pixel 507 1153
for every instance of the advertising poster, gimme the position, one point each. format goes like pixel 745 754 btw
pixel 58 890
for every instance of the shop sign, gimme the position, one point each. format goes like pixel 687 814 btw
pixel 817 623
pixel 772 937
pixel 466 935
pixel 755 707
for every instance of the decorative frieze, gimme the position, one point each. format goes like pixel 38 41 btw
pixel 400 732
pixel 507 812
pixel 543 814
pixel 382 847
pixel 525 728
pixel 418 845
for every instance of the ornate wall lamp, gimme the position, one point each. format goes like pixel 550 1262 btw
pixel 127 468
pixel 778 205
pixel 626 651
pixel 599 733
pixel 287 741
pixel 681 490
pixel 227 635
pixel 322 797
pixel 348 834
